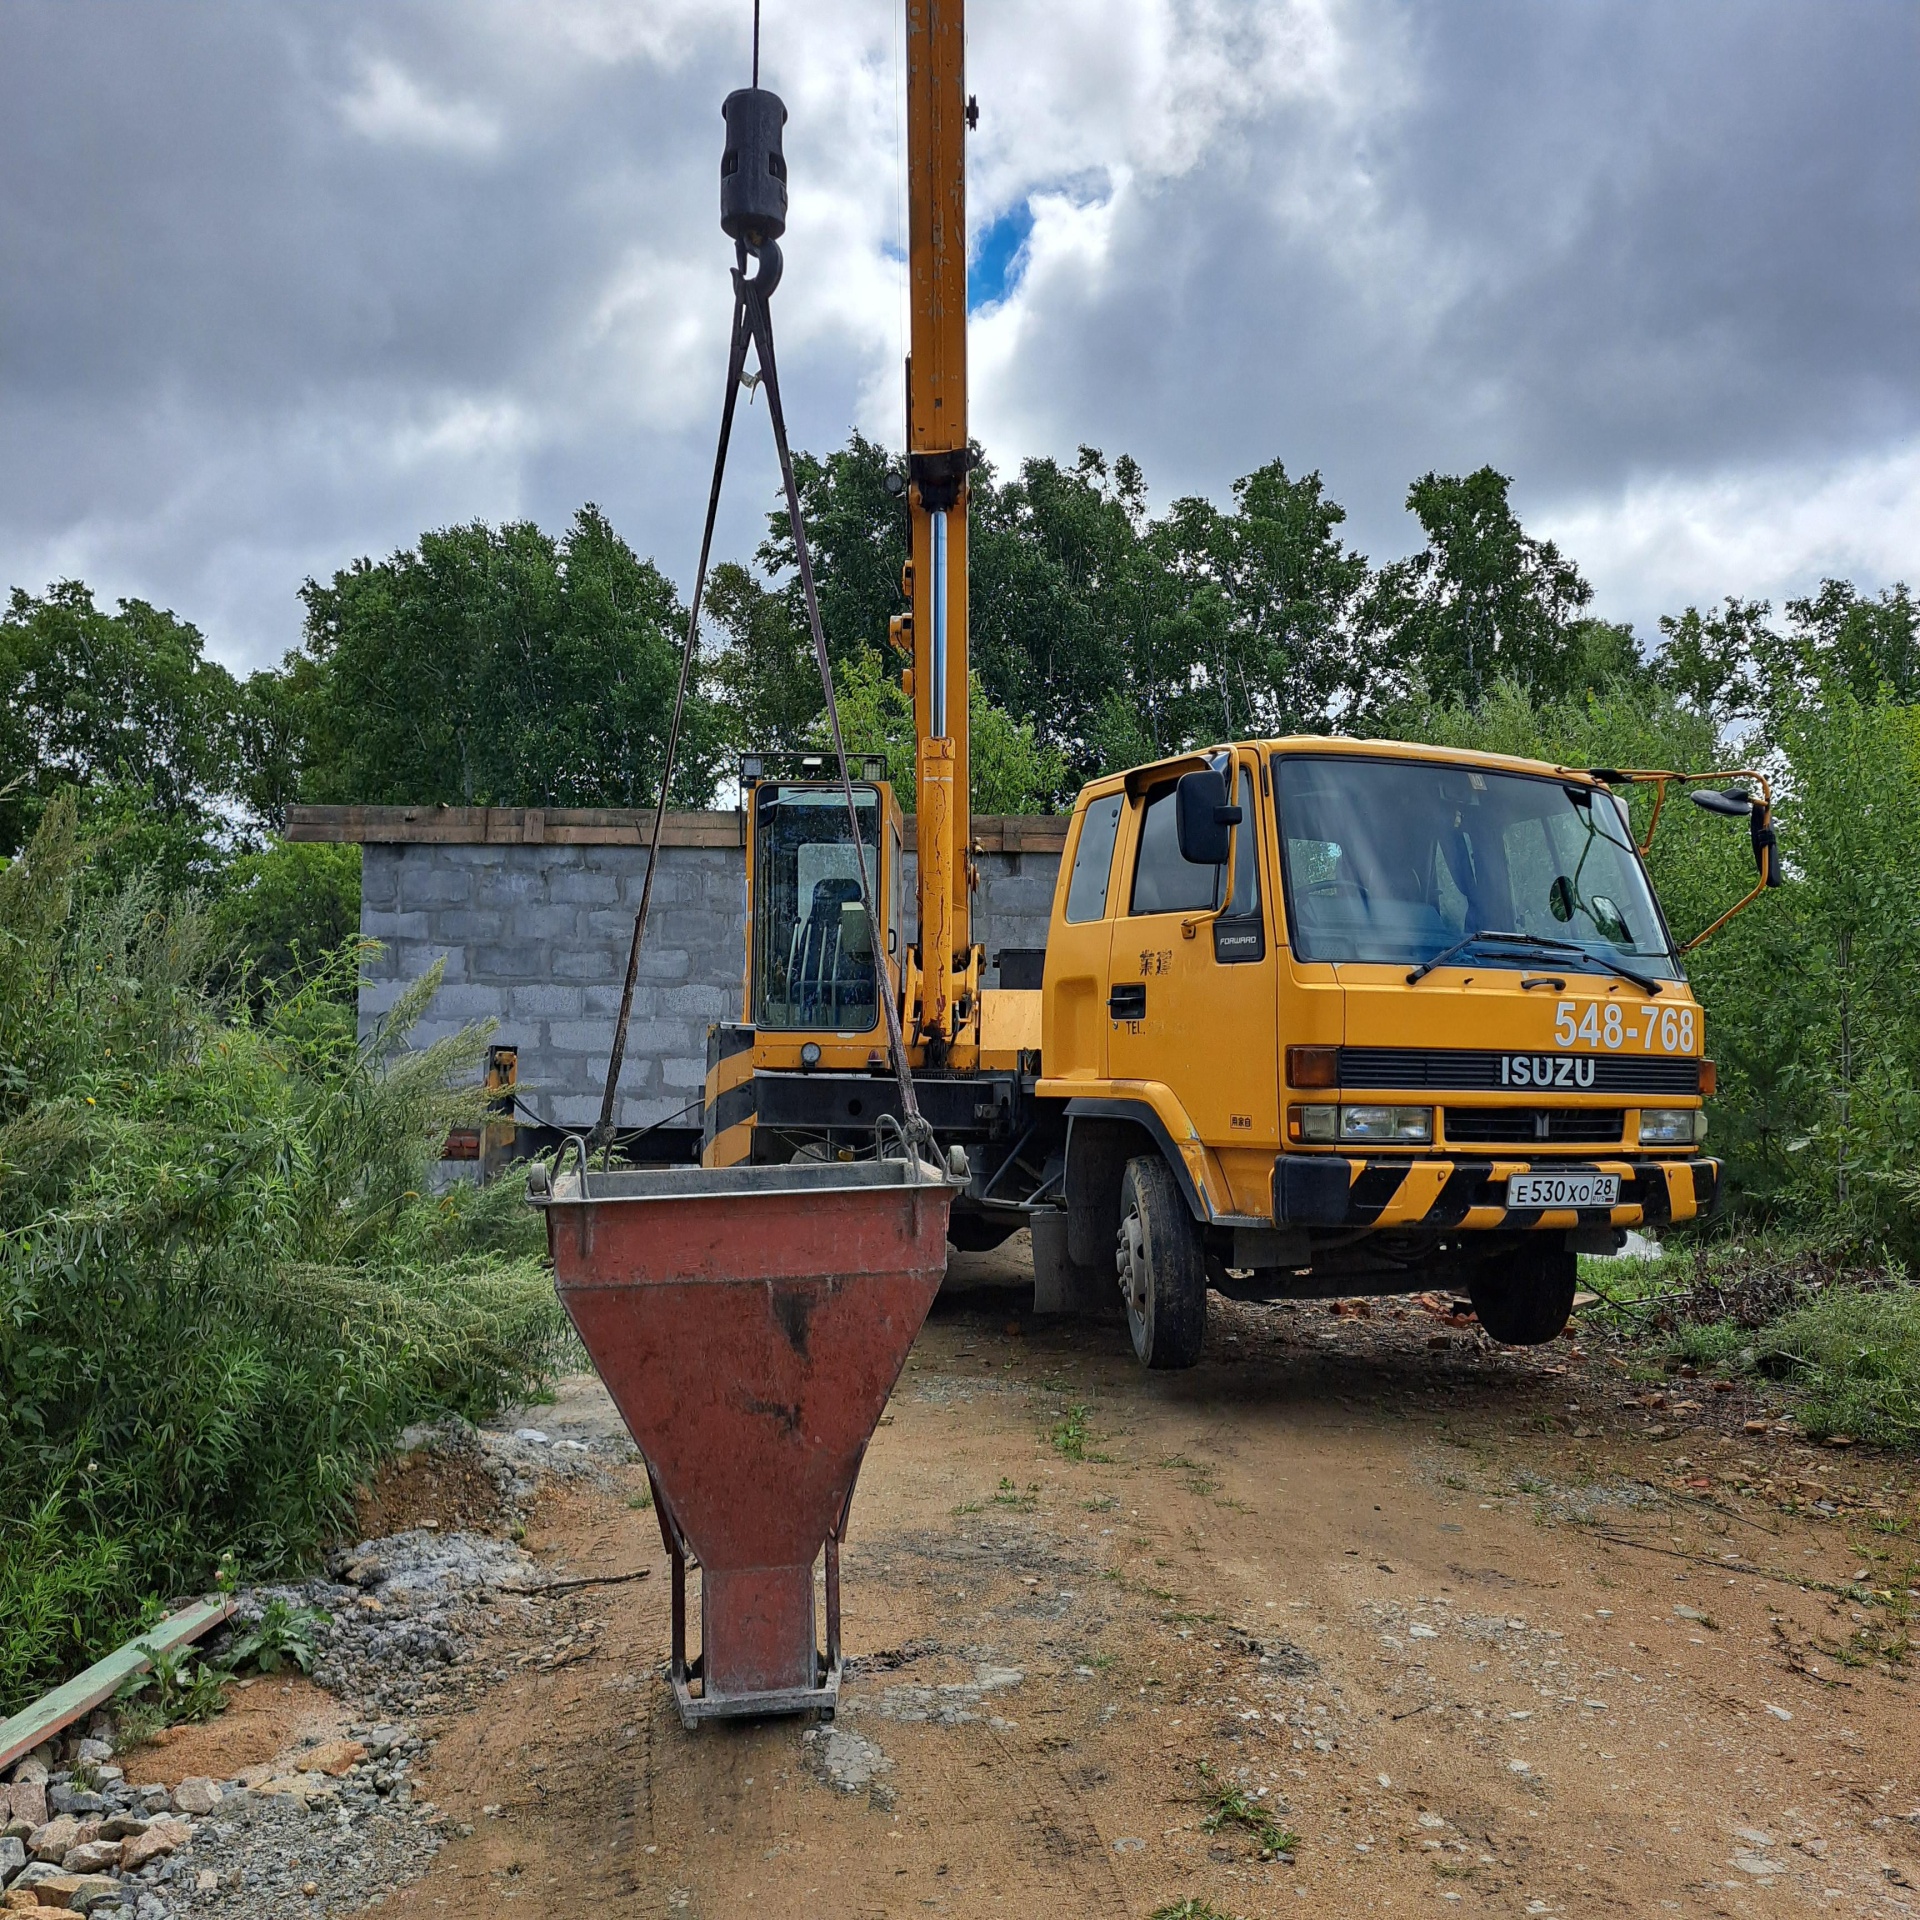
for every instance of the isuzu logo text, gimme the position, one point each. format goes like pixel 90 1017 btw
pixel 1545 1070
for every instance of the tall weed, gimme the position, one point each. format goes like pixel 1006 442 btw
pixel 224 1282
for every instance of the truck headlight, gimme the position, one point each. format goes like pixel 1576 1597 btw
pixel 1398 1125
pixel 1672 1126
pixel 1313 1123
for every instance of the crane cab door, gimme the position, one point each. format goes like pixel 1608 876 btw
pixel 1191 987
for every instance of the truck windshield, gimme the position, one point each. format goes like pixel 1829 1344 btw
pixel 1397 860
pixel 813 951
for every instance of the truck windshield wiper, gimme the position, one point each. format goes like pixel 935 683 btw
pixel 1538 943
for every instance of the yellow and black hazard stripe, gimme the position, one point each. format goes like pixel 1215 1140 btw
pixel 1471 1195
pixel 726 1128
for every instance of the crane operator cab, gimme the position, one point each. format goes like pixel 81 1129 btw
pixel 813 953
pixel 816 966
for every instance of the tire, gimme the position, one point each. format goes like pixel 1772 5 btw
pixel 1161 1265
pixel 1525 1298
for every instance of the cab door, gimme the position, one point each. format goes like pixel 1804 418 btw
pixel 1073 1014
pixel 1192 1002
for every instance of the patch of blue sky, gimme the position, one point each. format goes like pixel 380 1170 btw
pixel 999 257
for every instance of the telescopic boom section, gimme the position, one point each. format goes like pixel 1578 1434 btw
pixel 937 460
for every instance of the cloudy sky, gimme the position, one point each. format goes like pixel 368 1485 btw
pixel 284 284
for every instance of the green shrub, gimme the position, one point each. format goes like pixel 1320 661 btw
pixel 224 1284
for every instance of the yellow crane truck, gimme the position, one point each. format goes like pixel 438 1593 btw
pixel 1317 1016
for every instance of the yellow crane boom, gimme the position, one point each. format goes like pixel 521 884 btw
pixel 935 632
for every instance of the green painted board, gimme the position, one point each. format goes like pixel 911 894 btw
pixel 101 1681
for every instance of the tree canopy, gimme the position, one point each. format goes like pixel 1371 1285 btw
pixel 95 700
pixel 498 667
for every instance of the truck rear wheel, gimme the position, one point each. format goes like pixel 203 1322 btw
pixel 1525 1298
pixel 1162 1267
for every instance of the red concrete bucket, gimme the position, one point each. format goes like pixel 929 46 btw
pixel 750 1323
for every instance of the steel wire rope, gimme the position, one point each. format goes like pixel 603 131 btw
pixel 754 294
pixel 753 321
pixel 601 1139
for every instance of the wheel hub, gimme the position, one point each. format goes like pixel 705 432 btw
pixel 1130 1261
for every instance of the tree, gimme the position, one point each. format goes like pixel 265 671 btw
pixel 1117 636
pixel 1011 771
pixel 284 909
pixel 762 678
pixel 272 718
pixel 1870 647
pixel 1721 664
pixel 1062 634
pixel 1266 597
pixel 95 699
pixel 496 666
pixel 1482 601
pixel 857 540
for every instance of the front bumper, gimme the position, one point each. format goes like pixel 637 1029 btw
pixel 1335 1190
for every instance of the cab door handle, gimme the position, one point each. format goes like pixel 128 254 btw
pixel 1128 1001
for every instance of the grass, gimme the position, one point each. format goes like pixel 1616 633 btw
pixel 1230 1808
pixel 1853 1359
pixel 1069 1434
pixel 225 1286
pixel 1841 1336
pixel 1200 1477
pixel 1191 1908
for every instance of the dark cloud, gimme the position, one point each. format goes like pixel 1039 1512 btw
pixel 282 285
pixel 1590 243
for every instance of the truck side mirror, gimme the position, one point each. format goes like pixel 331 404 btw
pixel 1735 803
pixel 1766 843
pixel 1203 821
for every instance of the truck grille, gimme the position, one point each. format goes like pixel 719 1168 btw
pixel 1410 1067
pixel 1535 1126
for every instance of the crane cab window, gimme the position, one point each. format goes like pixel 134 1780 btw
pixel 814 959
pixel 1165 883
pixel 1093 859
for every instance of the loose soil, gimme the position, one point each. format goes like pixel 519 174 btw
pixel 1427 1623
pixel 448 1489
pixel 268 1718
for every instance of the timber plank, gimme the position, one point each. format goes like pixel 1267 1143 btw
pixel 100 1682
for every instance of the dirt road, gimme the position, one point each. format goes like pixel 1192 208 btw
pixel 1433 1626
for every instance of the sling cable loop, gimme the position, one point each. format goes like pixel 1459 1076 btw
pixel 753 208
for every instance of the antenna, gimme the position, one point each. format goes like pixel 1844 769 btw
pixel 756 42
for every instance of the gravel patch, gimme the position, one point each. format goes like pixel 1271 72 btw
pixel 334 1829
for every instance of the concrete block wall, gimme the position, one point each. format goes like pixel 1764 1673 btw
pixel 534 937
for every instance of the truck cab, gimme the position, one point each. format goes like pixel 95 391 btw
pixel 1324 1016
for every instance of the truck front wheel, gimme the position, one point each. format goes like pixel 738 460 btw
pixel 1525 1298
pixel 1162 1267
